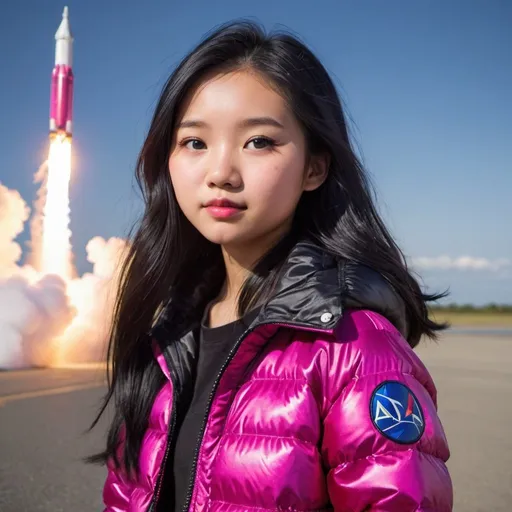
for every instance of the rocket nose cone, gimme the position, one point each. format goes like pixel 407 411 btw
pixel 64 31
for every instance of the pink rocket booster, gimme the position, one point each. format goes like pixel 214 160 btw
pixel 61 98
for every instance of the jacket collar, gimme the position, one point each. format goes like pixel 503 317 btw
pixel 308 292
pixel 315 288
pixel 312 292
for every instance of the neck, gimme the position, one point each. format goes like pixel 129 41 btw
pixel 239 262
pixel 238 268
pixel 239 265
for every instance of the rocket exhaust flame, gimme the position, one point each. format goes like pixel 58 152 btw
pixel 56 246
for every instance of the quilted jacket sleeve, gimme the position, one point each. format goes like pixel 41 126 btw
pixel 383 444
pixel 117 488
pixel 116 491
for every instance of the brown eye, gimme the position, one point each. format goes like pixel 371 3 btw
pixel 194 144
pixel 261 143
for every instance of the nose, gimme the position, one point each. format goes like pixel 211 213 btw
pixel 223 171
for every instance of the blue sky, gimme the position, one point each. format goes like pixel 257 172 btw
pixel 427 85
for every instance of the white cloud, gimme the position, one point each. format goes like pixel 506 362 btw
pixel 462 263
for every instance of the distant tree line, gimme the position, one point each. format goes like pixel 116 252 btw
pixel 471 308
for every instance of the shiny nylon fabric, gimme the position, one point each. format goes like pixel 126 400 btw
pixel 263 447
pixel 289 427
pixel 121 494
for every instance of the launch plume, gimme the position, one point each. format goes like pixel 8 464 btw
pixel 13 214
pixel 46 320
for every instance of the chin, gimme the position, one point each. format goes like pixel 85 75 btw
pixel 222 240
pixel 225 235
pixel 217 234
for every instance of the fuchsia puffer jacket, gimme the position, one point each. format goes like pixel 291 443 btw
pixel 322 405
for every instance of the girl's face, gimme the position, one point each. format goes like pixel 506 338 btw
pixel 238 162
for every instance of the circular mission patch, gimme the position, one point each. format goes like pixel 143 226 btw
pixel 396 413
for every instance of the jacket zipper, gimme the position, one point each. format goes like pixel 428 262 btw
pixel 210 400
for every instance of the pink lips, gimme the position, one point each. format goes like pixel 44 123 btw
pixel 223 208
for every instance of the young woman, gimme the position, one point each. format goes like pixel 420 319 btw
pixel 262 341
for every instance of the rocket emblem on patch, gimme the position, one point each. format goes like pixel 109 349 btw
pixel 396 413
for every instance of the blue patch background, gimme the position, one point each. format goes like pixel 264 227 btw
pixel 388 408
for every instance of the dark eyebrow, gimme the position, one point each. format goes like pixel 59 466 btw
pixel 261 121
pixel 246 123
pixel 192 123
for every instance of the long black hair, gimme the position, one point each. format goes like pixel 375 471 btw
pixel 170 261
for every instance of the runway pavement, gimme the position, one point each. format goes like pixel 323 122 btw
pixel 473 375
pixel 43 414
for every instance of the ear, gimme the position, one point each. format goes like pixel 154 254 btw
pixel 316 172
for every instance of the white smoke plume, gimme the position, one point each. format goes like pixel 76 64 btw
pixel 32 316
pixel 43 319
pixel 13 214
pixel 93 295
pixel 36 227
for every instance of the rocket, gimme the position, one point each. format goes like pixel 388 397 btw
pixel 61 95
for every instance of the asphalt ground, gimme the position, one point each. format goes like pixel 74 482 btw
pixel 44 415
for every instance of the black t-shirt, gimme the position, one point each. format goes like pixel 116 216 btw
pixel 214 346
